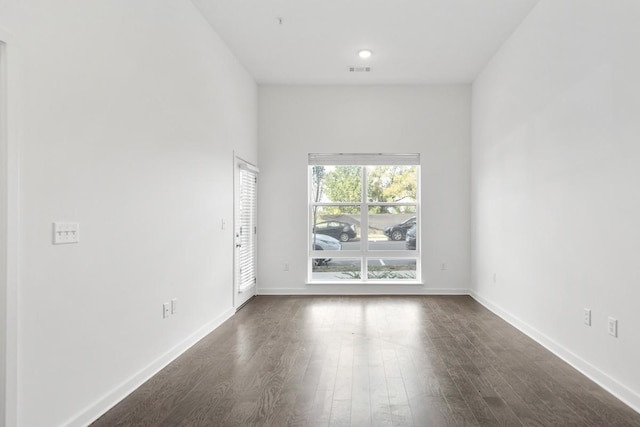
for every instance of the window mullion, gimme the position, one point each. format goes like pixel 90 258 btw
pixel 364 225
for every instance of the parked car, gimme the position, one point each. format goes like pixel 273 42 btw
pixel 323 242
pixel 411 237
pixel 342 231
pixel 398 231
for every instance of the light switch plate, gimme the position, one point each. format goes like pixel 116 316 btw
pixel 66 232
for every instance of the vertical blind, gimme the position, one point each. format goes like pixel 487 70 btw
pixel 248 230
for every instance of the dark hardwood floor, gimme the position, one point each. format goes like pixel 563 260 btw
pixel 368 361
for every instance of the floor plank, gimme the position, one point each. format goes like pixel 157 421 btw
pixel 368 361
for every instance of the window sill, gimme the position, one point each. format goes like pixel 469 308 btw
pixel 376 283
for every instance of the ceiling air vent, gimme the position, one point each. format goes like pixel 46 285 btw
pixel 359 69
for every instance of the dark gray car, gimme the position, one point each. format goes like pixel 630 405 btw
pixel 397 232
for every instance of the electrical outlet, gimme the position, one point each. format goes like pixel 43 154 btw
pixel 612 327
pixel 495 278
pixel 174 306
pixel 443 266
pixel 166 311
pixel 587 317
pixel 286 266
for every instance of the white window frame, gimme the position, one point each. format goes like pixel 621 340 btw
pixel 364 253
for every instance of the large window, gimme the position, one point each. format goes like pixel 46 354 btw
pixel 364 218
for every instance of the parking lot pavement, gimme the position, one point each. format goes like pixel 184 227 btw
pixel 382 245
pixel 381 262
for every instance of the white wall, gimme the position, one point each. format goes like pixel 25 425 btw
pixel 3 227
pixel 9 220
pixel 556 194
pixel 130 115
pixel 296 120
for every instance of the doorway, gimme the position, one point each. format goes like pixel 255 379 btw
pixel 246 232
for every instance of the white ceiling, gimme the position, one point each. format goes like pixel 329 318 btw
pixel 413 41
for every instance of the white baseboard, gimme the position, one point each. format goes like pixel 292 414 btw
pixel 318 290
pixel 100 407
pixel 613 386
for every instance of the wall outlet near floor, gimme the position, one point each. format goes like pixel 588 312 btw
pixel 587 317
pixel 174 306
pixel 612 327
pixel 166 310
pixel 443 266
pixel 286 266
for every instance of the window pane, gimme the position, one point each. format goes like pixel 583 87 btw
pixel 343 198
pixel 388 226
pixel 392 184
pixel 392 269
pixel 336 184
pixel 338 222
pixel 336 269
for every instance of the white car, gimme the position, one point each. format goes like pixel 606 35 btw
pixel 322 242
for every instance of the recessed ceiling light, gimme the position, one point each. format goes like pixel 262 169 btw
pixel 364 53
